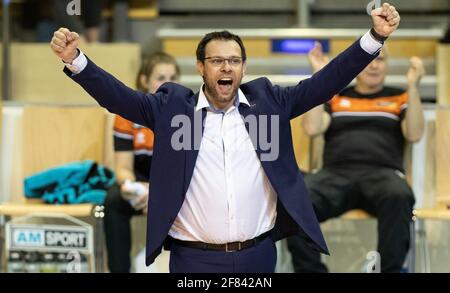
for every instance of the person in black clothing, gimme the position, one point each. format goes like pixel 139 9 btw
pixel 89 21
pixel 365 128
pixel 133 146
pixel 43 17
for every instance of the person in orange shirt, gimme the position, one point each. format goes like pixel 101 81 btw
pixel 365 128
pixel 133 149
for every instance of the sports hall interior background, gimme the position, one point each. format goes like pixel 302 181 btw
pixel 46 120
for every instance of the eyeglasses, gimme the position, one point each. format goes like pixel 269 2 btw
pixel 219 61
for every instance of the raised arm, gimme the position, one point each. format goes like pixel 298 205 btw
pixel 335 76
pixel 316 57
pixel 316 120
pixel 109 92
pixel 413 124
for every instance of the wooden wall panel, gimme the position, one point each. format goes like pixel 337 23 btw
pixel 443 74
pixel 187 47
pixel 37 73
pixel 443 156
pixel 396 47
pixel 180 47
pixel 137 9
pixel 57 135
pixel 13 147
pixel 429 189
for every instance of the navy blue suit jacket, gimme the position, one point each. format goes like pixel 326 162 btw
pixel 172 169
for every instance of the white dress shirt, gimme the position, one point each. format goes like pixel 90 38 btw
pixel 229 197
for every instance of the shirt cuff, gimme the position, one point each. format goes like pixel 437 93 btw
pixel 78 64
pixel 369 44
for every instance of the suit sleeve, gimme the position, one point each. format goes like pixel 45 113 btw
pixel 324 84
pixel 116 97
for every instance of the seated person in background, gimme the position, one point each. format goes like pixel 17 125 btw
pixel 365 129
pixel 90 17
pixel 133 148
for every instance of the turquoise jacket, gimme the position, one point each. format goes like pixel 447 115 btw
pixel 77 182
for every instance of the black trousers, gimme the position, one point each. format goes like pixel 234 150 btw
pixel 118 213
pixel 382 192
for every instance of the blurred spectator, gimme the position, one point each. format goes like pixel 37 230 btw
pixel 88 24
pixel 42 17
pixel 365 128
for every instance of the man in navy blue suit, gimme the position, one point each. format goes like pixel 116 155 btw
pixel 225 184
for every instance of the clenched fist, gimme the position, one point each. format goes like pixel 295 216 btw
pixel 317 58
pixel 385 20
pixel 416 71
pixel 64 44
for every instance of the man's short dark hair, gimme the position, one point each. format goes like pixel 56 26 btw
pixel 223 36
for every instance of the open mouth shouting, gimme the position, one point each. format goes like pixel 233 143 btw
pixel 225 85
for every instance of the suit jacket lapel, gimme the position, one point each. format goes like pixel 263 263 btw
pixel 246 111
pixel 254 110
pixel 194 117
pixel 197 119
